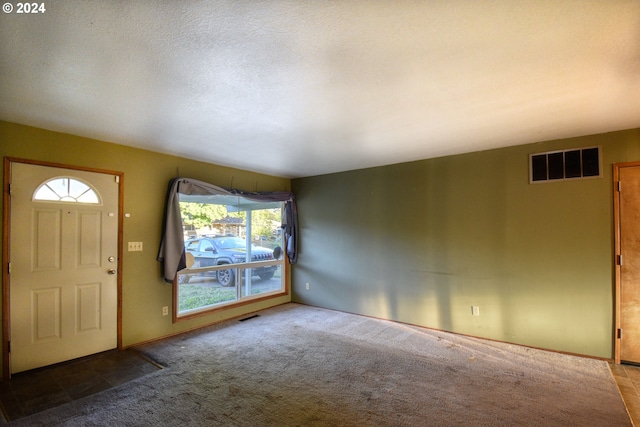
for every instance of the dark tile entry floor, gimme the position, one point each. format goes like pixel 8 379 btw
pixel 628 379
pixel 33 391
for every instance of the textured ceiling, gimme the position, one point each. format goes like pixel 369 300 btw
pixel 300 88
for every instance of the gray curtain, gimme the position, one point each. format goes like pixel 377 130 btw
pixel 172 254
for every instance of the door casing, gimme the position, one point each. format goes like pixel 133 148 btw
pixel 6 230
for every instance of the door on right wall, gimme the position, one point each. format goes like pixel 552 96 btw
pixel 627 217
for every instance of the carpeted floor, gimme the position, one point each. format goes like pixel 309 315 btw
pixel 296 365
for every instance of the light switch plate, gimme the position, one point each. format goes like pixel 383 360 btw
pixel 135 246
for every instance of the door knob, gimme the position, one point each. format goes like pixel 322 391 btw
pixel 111 271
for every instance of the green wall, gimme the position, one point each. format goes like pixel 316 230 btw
pixel 146 176
pixel 422 242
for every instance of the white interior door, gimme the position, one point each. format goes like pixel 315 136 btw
pixel 63 261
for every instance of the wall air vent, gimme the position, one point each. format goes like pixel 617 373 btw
pixel 565 164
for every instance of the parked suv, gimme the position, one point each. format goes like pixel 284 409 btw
pixel 219 250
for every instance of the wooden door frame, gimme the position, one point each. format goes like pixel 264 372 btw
pixel 6 230
pixel 617 253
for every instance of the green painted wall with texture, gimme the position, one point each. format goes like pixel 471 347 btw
pixel 423 242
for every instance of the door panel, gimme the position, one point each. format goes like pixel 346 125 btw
pixel 89 239
pixel 629 268
pixel 45 314
pixel 88 306
pixel 63 296
pixel 46 239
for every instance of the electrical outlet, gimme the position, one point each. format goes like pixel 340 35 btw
pixel 307 286
pixel 475 310
pixel 165 311
pixel 135 246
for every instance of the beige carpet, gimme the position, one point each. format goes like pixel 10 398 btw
pixel 296 365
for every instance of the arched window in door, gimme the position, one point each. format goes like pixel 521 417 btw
pixel 66 189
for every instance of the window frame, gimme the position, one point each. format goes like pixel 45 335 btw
pixel 239 277
pixel 65 198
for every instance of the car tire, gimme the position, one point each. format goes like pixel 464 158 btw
pixel 226 277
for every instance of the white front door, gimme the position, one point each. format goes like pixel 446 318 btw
pixel 63 264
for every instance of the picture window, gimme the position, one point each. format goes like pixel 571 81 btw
pixel 233 250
